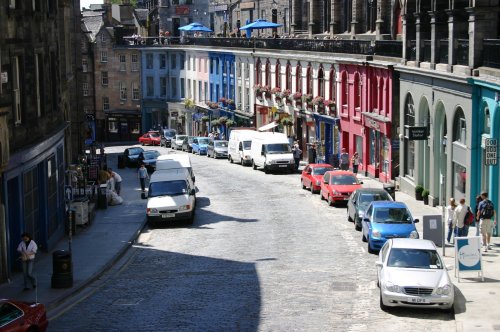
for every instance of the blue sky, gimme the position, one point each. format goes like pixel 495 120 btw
pixel 86 3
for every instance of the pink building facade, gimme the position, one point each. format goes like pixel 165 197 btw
pixel 367 118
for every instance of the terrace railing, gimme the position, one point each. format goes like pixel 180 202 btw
pixel 491 51
pixel 462 52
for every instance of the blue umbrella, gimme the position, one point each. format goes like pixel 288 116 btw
pixel 260 24
pixel 249 31
pixel 195 27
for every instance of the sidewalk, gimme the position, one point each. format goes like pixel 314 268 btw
pixel 476 301
pixel 95 247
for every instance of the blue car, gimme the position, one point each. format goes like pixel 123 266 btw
pixel 199 145
pixel 385 220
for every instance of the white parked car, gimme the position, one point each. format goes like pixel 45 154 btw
pixel 411 273
pixel 176 142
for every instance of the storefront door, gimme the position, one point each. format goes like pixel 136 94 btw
pixel 124 132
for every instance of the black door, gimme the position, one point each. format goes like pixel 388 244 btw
pixel 176 23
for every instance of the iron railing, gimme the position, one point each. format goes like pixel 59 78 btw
pixel 390 48
pixel 427 50
pixel 462 53
pixel 443 51
pixel 412 50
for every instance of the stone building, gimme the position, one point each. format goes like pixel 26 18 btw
pixel 169 15
pixel 37 100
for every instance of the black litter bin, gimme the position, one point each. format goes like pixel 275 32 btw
pixel 391 189
pixel 121 162
pixel 62 269
pixel 102 199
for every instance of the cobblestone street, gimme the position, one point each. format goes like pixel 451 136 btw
pixel 262 255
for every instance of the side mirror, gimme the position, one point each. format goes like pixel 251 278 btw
pixel 192 192
pixel 360 182
pixel 309 172
pixel 416 220
pixel 144 196
pixel 262 153
pixel 379 263
pixel 366 220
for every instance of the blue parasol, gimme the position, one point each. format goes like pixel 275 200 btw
pixel 260 24
pixel 195 27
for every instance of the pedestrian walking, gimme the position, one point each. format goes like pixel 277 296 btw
pixel 27 248
pixel 355 162
pixel 344 160
pixel 486 215
pixel 297 152
pixel 450 210
pixel 117 180
pixel 460 214
pixel 143 175
pixel 476 209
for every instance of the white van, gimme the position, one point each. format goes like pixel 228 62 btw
pixel 239 145
pixel 174 161
pixel 171 197
pixel 271 151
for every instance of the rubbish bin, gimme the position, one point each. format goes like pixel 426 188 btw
pixel 121 161
pixel 70 220
pixel 62 269
pixel 102 198
pixel 391 189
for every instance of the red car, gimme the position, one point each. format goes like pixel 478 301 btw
pixel 312 176
pixel 338 186
pixel 22 316
pixel 151 138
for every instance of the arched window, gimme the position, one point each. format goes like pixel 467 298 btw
pixel 298 77
pixel 309 79
pixel 344 93
pixel 288 75
pixel 357 90
pixel 268 73
pixel 277 74
pixel 258 72
pixel 459 127
pixel 321 82
pixel 486 121
pixel 333 90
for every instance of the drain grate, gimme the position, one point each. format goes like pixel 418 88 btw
pixel 132 301
pixel 338 286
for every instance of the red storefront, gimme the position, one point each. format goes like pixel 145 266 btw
pixel 367 117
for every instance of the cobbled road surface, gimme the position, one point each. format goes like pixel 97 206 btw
pixel 262 255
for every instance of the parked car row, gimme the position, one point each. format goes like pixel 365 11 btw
pixel 410 271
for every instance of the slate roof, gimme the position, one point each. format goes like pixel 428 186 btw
pixel 92 24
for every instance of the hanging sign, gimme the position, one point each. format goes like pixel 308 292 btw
pixel 491 147
pixel 416 133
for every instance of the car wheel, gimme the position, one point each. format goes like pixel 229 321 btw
pixel 303 186
pixel 266 170
pixel 215 157
pixel 330 201
pixel 363 237
pixel 349 219
pixel 382 305
pixel 253 165
pixel 312 189
pixel 242 163
pixel 357 227
pixel 321 196
pixel 142 143
pixel 370 250
pixel 231 159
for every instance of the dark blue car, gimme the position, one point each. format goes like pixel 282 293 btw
pixel 385 220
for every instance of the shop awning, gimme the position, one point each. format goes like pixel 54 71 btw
pixel 268 126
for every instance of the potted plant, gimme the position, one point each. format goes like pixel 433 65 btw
pixel 205 118
pixel 258 90
pixel 307 98
pixel 215 123
pixel 223 120
pixel 288 121
pixel 230 123
pixel 418 192
pixel 230 104
pixel 425 196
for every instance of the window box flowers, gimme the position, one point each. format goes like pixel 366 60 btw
pixel 297 96
pixel 318 101
pixel 213 105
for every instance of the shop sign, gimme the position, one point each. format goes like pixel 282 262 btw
pixel 395 144
pixel 217 8
pixel 491 147
pixel 182 10
pixel 372 124
pixel 174 114
pixel 5 77
pixel 247 5
pixel 416 133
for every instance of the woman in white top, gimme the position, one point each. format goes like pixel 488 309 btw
pixel 27 248
pixel 450 211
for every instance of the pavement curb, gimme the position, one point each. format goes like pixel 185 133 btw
pixel 80 287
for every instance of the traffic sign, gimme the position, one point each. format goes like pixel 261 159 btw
pixel 491 149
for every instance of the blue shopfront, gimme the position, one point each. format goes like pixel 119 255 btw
pixel 327 139
pixel 33 184
pixel 485 136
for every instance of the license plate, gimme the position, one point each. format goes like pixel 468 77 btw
pixel 168 215
pixel 283 166
pixel 417 300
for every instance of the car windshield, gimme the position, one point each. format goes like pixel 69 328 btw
pixel 151 154
pixel 154 135
pixel 278 148
pixel 414 258
pixel 190 139
pixel 134 151
pixel 247 145
pixel 321 170
pixel 167 188
pixel 392 215
pixel 169 133
pixel 221 144
pixel 367 198
pixel 202 140
pixel 181 137
pixel 343 180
